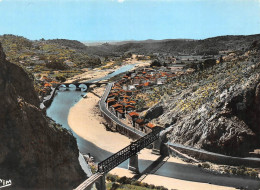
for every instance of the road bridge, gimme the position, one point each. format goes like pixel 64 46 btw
pixel 80 85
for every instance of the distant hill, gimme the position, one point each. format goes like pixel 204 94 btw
pixel 172 46
pixel 175 46
pixel 74 44
pixel 37 54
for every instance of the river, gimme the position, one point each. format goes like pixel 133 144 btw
pixel 59 111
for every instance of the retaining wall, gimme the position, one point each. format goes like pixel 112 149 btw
pixel 214 157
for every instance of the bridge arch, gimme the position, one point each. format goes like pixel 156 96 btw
pixel 83 87
pixel 62 87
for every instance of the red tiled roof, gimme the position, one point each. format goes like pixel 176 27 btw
pixel 47 84
pixel 150 125
pixel 133 114
pixel 113 94
pixel 129 106
pixel 111 100
pixel 146 84
pixel 117 105
pixel 139 121
pixel 125 100
pixel 116 87
pixel 120 110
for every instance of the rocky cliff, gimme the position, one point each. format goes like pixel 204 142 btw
pixel 217 109
pixel 34 153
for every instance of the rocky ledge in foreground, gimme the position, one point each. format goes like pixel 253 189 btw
pixel 34 153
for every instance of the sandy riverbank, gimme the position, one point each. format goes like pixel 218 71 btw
pixel 85 121
pixel 170 183
pixel 99 73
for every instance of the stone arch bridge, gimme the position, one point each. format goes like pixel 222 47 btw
pixel 80 85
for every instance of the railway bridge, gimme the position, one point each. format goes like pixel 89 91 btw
pixel 129 152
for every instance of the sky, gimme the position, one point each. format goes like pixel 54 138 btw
pixel 116 20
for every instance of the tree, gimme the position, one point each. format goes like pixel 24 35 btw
pixel 60 78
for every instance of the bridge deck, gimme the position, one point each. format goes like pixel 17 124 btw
pixel 127 152
pixel 92 179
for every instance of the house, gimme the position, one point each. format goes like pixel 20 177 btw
pixel 129 92
pixel 139 124
pixel 125 97
pixel 124 87
pixel 122 91
pixel 129 108
pixel 132 102
pixel 113 95
pixel 149 127
pixel 131 117
pixel 146 84
pixel 114 107
pixel 120 113
pixel 131 87
pixel 110 102
pixel 116 88
pixel 136 80
pixel 161 80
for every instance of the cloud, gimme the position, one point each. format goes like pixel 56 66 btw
pixel 120 1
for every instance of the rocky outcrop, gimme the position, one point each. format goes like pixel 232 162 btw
pixel 219 110
pixel 154 112
pixel 35 154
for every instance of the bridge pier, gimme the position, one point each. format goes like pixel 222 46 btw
pixel 160 148
pixel 157 146
pixel 101 183
pixel 133 164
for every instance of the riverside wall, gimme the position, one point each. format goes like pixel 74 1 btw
pixel 214 157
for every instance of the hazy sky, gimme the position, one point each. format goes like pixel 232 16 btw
pixel 102 20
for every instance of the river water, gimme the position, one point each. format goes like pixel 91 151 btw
pixel 59 111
